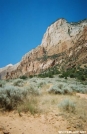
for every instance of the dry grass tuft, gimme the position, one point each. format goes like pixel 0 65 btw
pixel 29 105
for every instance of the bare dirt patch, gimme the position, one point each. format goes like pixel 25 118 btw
pixel 82 95
pixel 49 121
pixel 27 124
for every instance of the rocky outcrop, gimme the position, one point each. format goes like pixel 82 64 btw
pixel 64 44
pixel 5 72
pixel 63 35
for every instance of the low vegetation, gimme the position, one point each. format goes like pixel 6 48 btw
pixel 23 77
pixel 74 112
pixel 41 95
pixel 78 73
pixel 2 83
pixel 18 82
pixel 29 105
pixel 12 96
pixel 49 72
pixel 67 105
pixel 67 88
pixel 45 57
pixel 15 92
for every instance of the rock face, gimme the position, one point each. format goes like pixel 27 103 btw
pixel 7 70
pixel 64 44
pixel 63 35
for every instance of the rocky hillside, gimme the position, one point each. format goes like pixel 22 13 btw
pixel 64 44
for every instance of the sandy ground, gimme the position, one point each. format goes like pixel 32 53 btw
pixel 27 124
pixel 84 96
pixel 50 122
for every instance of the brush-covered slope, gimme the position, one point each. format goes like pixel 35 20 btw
pixel 64 44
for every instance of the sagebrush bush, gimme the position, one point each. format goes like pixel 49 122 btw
pixel 67 88
pixel 32 90
pixel 67 105
pixel 78 88
pixel 41 84
pixel 55 90
pixel 2 83
pixel 18 82
pixel 11 96
pixel 15 93
pixel 60 89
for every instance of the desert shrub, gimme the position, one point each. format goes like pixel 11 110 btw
pixel 49 72
pixel 54 56
pixel 18 82
pixel 43 75
pixel 32 90
pixel 45 57
pixel 85 82
pixel 55 90
pixel 82 90
pixel 62 86
pixel 56 72
pixel 23 77
pixel 61 76
pixel 78 88
pixel 81 77
pixel 67 105
pixel 53 70
pixel 40 75
pixel 11 96
pixel 72 75
pixel 31 76
pixel 79 73
pixel 2 83
pixel 29 105
pixel 50 75
pixel 41 84
pixel 46 74
pixel 67 90
pixel 60 89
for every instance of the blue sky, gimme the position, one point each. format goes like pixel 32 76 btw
pixel 24 22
